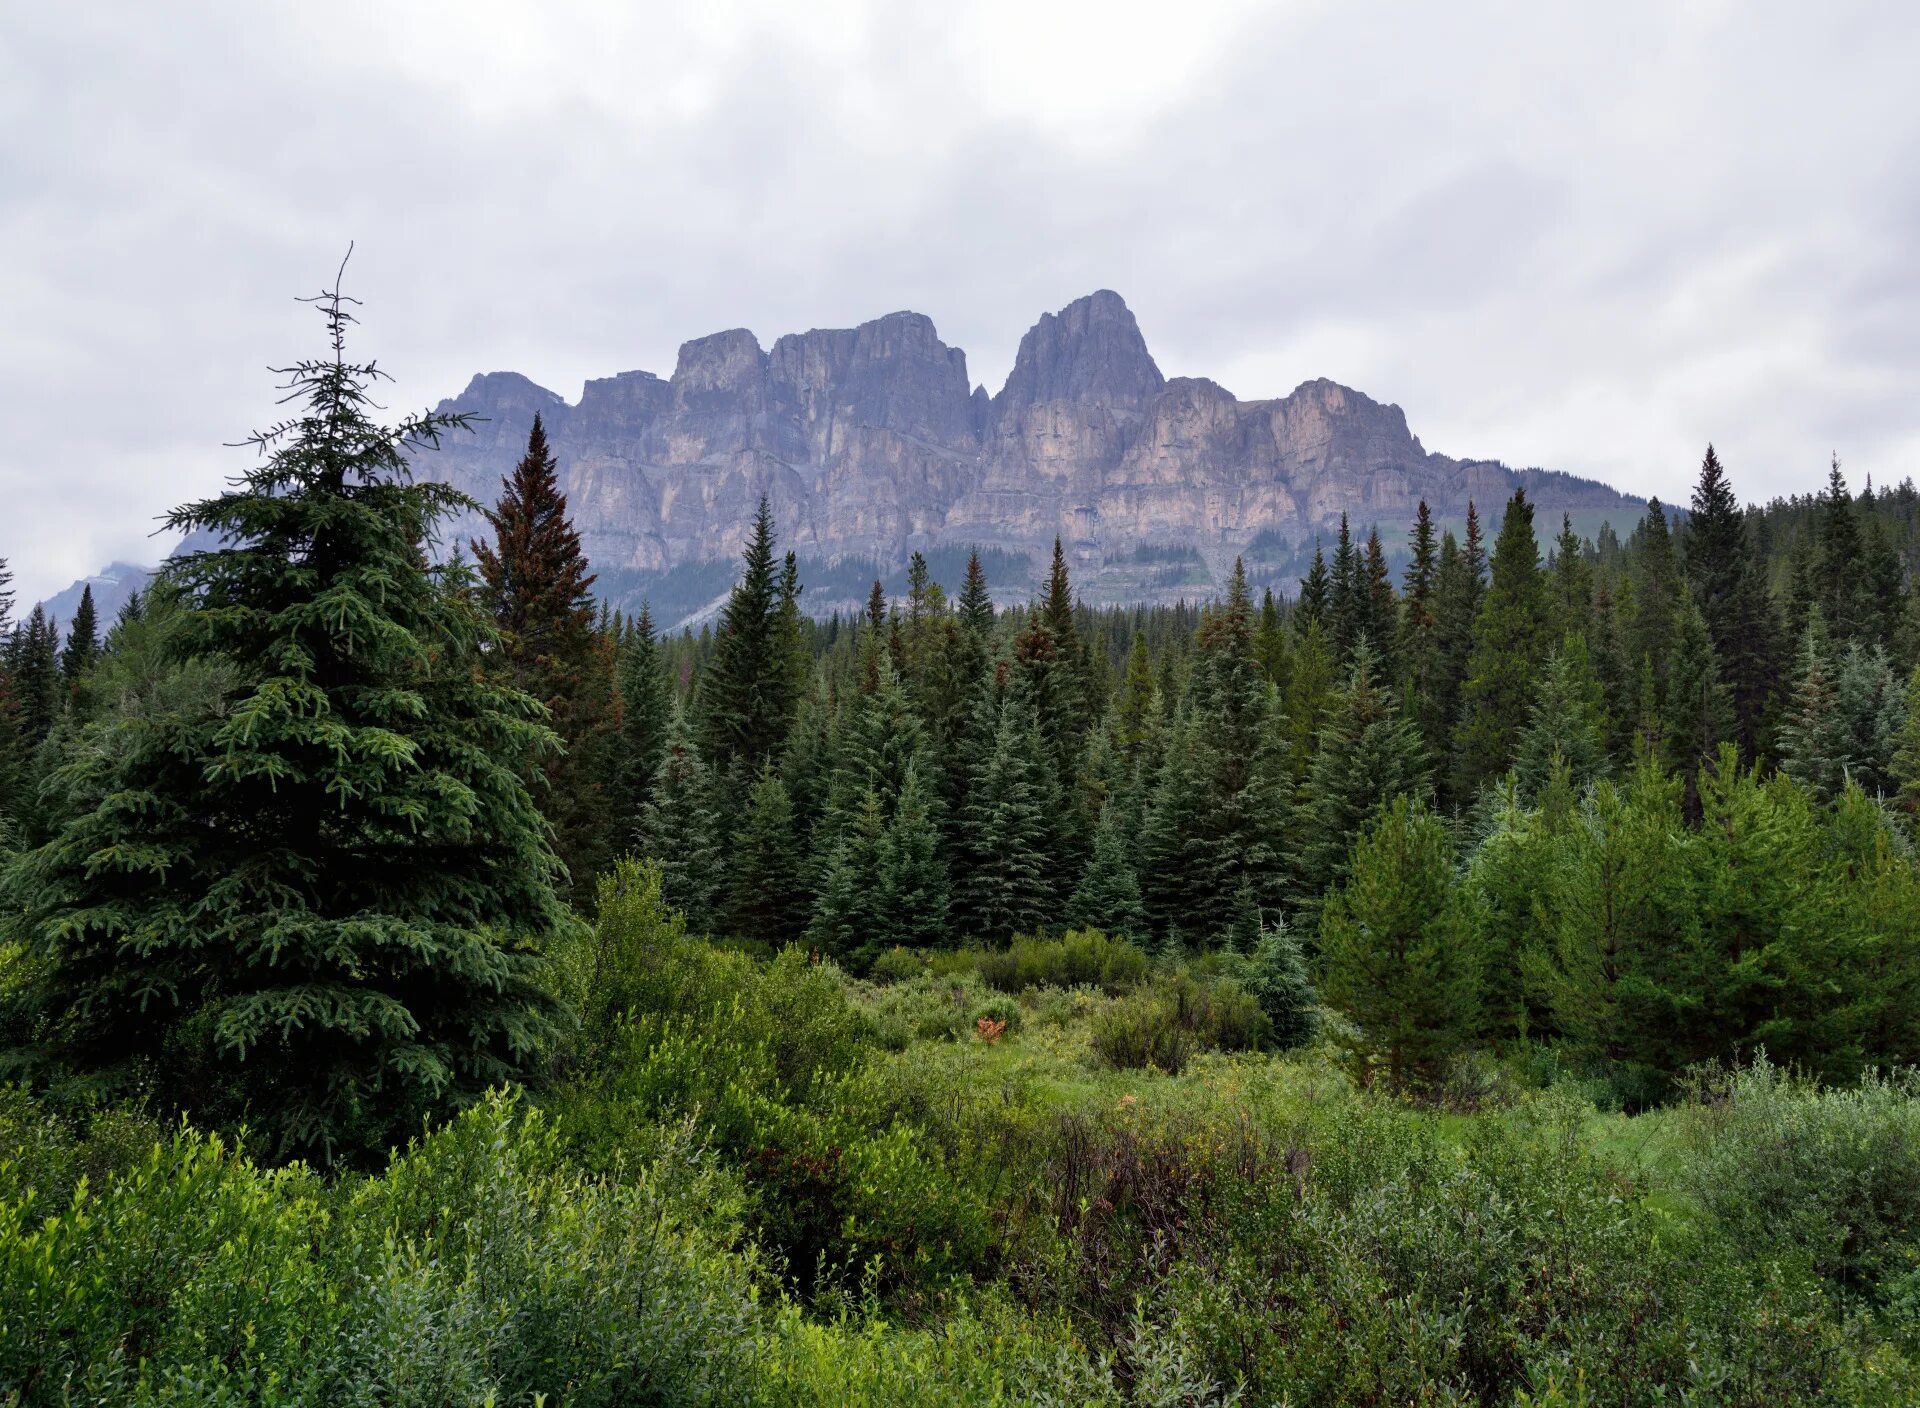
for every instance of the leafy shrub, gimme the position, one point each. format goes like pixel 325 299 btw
pixel 897 964
pixel 1083 957
pixel 1164 1023
pixel 1831 1175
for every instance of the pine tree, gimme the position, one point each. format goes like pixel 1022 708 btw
pixel 1381 617
pixel 1346 599
pixel 679 827
pixel 913 881
pixel 646 714
pixel 1316 596
pixel 1564 725
pixel 1838 585
pixel 1137 714
pixel 747 696
pixel 1368 755
pixel 767 899
pixel 83 643
pixel 1419 643
pixel 1816 747
pixel 1572 591
pixel 1005 883
pixel 1698 715
pixel 1270 642
pixel 536 586
pixel 1732 596
pixel 1510 637
pixel 1615 683
pixel 1459 584
pixel 1397 949
pixel 1872 709
pixel 1656 586
pixel 1108 897
pixel 316 903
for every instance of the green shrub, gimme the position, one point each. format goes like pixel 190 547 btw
pixel 896 965
pixel 1164 1023
pixel 1083 957
pixel 1829 1174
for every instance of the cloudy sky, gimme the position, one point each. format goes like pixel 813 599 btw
pixel 1586 243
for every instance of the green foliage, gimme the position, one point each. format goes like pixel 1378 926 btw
pixel 1162 1024
pixel 317 898
pixel 1081 957
pixel 1831 1175
pixel 1398 949
pixel 1510 639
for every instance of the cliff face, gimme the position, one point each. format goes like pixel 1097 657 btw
pixel 868 442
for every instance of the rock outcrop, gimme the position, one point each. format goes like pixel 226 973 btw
pixel 868 442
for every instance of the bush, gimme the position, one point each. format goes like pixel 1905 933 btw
pixel 1164 1023
pixel 1830 1175
pixel 1083 957
pixel 897 965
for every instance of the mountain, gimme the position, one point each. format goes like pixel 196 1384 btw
pixel 870 443
pixel 112 585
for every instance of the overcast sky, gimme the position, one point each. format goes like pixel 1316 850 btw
pixel 1589 243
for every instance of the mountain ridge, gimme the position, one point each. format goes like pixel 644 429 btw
pixel 871 442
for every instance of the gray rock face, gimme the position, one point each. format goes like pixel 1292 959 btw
pixel 868 441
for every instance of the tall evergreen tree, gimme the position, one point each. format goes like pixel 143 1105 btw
pixel 1572 591
pixel 1006 882
pixel 1346 598
pixel 1565 724
pixel 1510 637
pixel 1698 716
pixel 1316 595
pixel 747 696
pixel 1816 747
pixel 1839 586
pixel 646 714
pixel 1368 755
pixel 767 899
pixel 1656 588
pixel 83 642
pixel 1419 643
pixel 1108 896
pixel 1397 949
pixel 1381 615
pixel 680 827
pixel 33 665
pixel 1731 593
pixel 976 602
pixel 316 901
pixel 912 875
pixel 536 586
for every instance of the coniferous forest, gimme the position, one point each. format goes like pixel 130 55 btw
pixel 1491 982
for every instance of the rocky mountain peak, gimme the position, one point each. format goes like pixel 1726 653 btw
pixel 1091 351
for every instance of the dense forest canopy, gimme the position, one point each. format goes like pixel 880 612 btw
pixel 1041 1004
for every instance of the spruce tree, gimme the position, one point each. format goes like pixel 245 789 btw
pixel 680 827
pixel 1316 595
pixel 1459 584
pixel 976 603
pixel 83 642
pixel 1381 617
pixel 747 695
pixel 1564 725
pixel 1510 638
pixel 1108 897
pixel 1368 755
pixel 912 877
pixel 1346 598
pixel 1277 978
pixel 1698 715
pixel 1839 587
pixel 646 714
pixel 1905 763
pixel 315 904
pixel 1397 949
pixel 1572 590
pixel 767 901
pixel 1656 587
pixel 1006 881
pixel 1419 642
pixel 536 586
pixel 848 923
pixel 1731 592
pixel 1815 744
pixel 33 664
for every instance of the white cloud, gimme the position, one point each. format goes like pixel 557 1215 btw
pixel 1589 239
